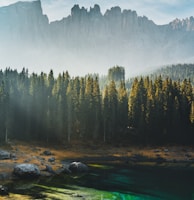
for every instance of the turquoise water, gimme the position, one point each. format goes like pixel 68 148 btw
pixel 144 183
pixel 111 182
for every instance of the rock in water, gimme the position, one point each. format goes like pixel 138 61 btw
pixel 49 169
pixel 26 170
pixel 3 190
pixel 64 169
pixel 78 167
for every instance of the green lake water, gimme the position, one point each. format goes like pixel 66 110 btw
pixel 110 182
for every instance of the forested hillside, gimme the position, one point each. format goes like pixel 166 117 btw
pixel 42 107
pixel 160 109
pixel 177 72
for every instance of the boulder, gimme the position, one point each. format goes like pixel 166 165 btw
pixel 78 167
pixel 4 155
pixel 26 170
pixel 3 190
pixel 52 159
pixel 160 160
pixel 157 150
pixel 47 153
pixel 49 169
pixel 13 156
pixel 64 169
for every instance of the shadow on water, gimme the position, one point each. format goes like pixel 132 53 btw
pixel 144 183
pixel 115 182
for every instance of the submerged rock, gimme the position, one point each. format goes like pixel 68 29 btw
pixel 26 170
pixel 49 169
pixel 78 167
pixel 64 169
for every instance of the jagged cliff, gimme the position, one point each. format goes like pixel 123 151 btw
pixel 23 22
pixel 88 40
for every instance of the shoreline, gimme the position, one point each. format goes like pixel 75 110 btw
pixel 170 157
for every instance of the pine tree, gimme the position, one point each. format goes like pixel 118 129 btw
pixel 3 117
pixel 90 107
pixel 113 104
pixel 50 107
pixel 122 109
pixel 106 115
pixel 186 93
pixel 83 108
pixel 97 108
pixel 138 108
pixel 69 111
pixel 57 108
pixel 116 74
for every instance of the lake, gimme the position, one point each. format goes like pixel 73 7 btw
pixel 110 182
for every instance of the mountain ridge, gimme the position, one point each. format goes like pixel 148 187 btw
pixel 87 39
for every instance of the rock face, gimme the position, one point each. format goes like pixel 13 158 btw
pixel 184 25
pixel 26 171
pixel 24 22
pixel 4 155
pixel 89 38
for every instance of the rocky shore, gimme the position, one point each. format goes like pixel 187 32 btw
pixel 52 160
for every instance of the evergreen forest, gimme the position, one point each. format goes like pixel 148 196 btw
pixel 177 72
pixel 42 107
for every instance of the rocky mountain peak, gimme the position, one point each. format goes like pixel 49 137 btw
pixel 184 24
pixel 25 7
pixel 88 38
pixel 95 11
pixel 113 12
pixel 77 12
pixel 21 10
pixel 23 21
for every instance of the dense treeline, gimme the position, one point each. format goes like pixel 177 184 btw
pixel 160 110
pixel 177 72
pixel 116 74
pixel 42 107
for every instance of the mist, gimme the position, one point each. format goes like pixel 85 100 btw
pixel 89 41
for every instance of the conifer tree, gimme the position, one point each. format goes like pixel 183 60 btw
pixel 69 111
pixel 122 108
pixel 113 111
pixel 106 115
pixel 97 108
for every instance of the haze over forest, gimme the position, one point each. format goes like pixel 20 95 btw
pixel 89 41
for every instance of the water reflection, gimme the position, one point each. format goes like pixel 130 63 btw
pixel 113 182
pixel 145 183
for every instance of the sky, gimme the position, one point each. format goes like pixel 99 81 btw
pixel 159 11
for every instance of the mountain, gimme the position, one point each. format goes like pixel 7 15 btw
pixel 88 41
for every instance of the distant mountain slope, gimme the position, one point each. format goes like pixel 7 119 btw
pixel 177 72
pixel 88 41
